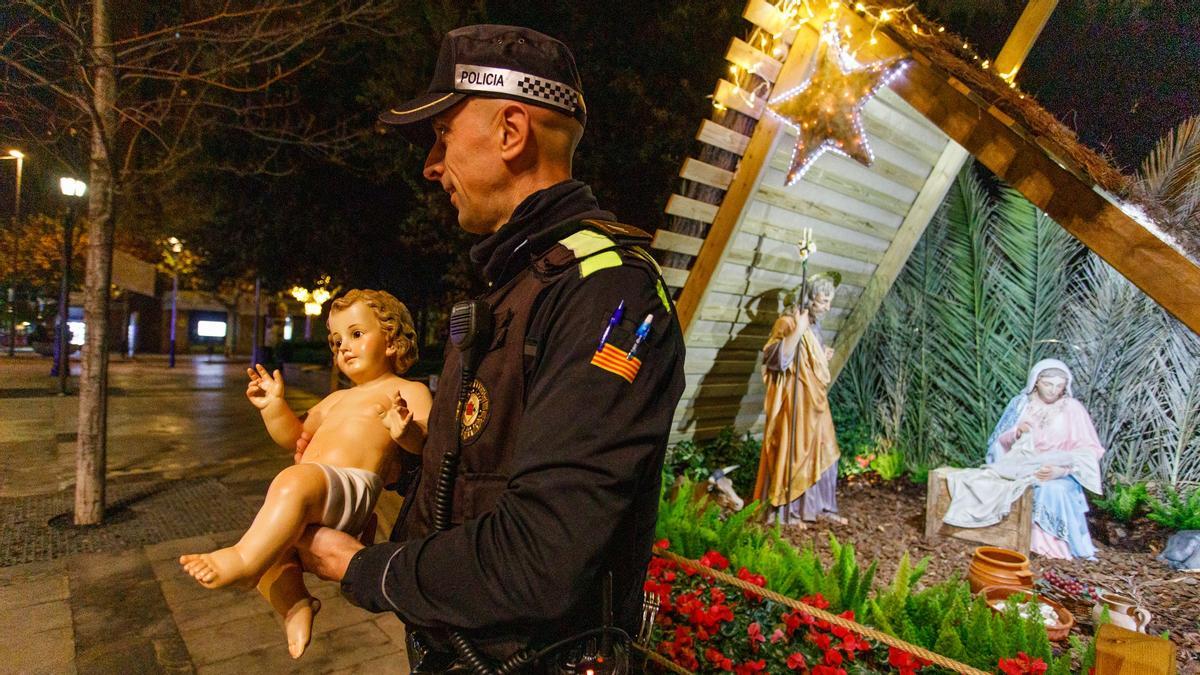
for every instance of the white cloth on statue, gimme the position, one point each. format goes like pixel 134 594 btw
pixel 350 497
pixel 983 497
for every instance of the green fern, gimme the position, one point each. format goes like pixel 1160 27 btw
pixel 1124 502
pixel 1177 512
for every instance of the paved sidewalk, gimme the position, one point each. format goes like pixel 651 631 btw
pixel 188 465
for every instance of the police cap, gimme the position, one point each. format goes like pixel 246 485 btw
pixel 497 62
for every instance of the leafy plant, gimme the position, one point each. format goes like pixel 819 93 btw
pixel 944 617
pixel 889 465
pixel 855 440
pixel 1177 512
pixel 994 285
pixel 685 458
pixel 918 473
pixel 1125 502
pixel 697 461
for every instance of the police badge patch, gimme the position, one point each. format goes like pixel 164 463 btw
pixel 476 412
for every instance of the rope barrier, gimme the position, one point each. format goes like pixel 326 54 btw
pixel 662 660
pixel 833 619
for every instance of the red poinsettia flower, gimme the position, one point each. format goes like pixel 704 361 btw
pixel 832 657
pixel 904 662
pixel 754 631
pixel 717 659
pixel 816 600
pixel 792 621
pixel 714 560
pixel 1022 665
pixel 663 543
pixel 853 643
pixel 750 667
pixel 778 636
pixel 822 640
pixel 796 662
pixel 822 669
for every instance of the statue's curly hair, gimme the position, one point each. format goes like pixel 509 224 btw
pixel 395 319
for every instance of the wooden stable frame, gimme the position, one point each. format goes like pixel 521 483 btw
pixel 867 220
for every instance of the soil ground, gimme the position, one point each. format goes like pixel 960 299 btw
pixel 887 519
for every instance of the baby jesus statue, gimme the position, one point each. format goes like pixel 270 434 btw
pixel 347 446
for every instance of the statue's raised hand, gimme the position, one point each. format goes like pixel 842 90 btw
pixel 399 422
pixel 264 387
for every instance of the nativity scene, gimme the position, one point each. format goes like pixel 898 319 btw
pixel 986 344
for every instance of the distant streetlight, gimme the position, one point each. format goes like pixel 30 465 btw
pixel 73 189
pixel 313 300
pixel 12 327
pixel 176 247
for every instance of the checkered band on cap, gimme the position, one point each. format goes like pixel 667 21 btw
pixel 515 83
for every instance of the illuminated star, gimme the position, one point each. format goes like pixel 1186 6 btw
pixel 825 111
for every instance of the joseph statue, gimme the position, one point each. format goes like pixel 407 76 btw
pixel 797 473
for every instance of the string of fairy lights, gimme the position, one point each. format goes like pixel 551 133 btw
pixel 751 86
pixel 825 109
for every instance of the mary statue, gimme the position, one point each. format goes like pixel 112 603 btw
pixel 1046 439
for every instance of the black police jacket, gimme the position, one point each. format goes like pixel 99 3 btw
pixel 563 485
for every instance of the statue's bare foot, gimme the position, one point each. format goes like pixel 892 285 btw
pixel 298 625
pixel 833 518
pixel 219 568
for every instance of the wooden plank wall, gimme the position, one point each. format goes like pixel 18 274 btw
pixel 855 213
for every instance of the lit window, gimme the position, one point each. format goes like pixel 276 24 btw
pixel 77 329
pixel 212 329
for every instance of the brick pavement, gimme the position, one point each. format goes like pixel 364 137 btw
pixel 188 464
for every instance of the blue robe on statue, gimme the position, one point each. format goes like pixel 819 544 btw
pixel 1065 429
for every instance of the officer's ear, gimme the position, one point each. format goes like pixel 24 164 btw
pixel 516 131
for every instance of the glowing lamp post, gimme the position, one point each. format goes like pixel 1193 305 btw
pixel 313 300
pixel 12 334
pixel 73 190
pixel 176 247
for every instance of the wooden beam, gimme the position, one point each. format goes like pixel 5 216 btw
pixel 765 15
pixel 787 199
pixel 1162 272
pixel 734 97
pixel 1021 40
pixel 707 174
pixel 686 207
pixel 723 137
pixel 676 242
pixel 674 276
pixel 924 207
pixel 751 59
pixel 745 182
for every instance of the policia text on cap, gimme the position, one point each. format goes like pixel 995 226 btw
pixel 530 520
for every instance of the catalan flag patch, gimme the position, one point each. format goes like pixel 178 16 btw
pixel 613 360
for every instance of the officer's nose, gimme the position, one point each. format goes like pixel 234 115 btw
pixel 433 162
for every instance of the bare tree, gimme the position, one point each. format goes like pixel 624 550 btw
pixel 151 85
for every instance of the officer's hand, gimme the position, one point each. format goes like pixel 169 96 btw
pixel 326 552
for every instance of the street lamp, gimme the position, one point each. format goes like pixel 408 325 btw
pixel 176 247
pixel 73 189
pixel 12 333
pixel 313 300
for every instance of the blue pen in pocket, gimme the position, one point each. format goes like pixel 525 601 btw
pixel 612 322
pixel 642 331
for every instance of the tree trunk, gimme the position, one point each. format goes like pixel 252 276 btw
pixel 93 379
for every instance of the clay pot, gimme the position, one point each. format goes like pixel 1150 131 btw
pixel 1056 631
pixel 994 566
pixel 1123 611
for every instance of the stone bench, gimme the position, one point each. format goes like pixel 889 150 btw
pixel 1012 533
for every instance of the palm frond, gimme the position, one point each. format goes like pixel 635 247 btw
pixel 1034 279
pixel 1170 174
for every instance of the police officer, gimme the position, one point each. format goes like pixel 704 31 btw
pixel 564 422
